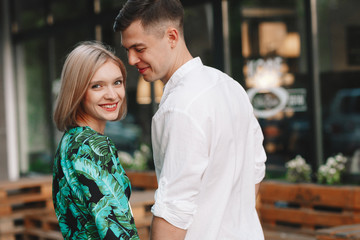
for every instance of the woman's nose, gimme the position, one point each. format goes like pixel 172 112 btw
pixel 110 93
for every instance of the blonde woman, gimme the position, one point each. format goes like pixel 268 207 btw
pixel 90 189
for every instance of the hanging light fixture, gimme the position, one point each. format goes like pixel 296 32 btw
pixel 143 93
pixel 290 48
pixel 158 89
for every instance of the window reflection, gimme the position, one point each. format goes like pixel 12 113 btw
pixel 339 75
pixel 342 125
pixel 277 79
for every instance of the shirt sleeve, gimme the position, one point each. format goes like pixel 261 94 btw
pixel 183 158
pixel 259 151
pixel 106 190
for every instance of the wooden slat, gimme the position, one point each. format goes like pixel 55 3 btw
pixel 7 237
pixel 304 217
pixel 20 198
pixel 25 183
pixel 42 226
pixel 141 202
pixel 311 194
pixel 339 233
pixel 308 206
pixel 145 180
pixel 39 234
pixel 286 233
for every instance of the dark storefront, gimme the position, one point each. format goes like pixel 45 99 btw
pixel 299 60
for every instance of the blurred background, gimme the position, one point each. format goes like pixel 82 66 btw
pixel 299 60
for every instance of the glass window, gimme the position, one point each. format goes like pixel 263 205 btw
pixel 28 14
pixel 111 4
pixel 34 104
pixel 198 31
pixel 39 64
pixel 339 63
pixel 276 76
pixel 68 9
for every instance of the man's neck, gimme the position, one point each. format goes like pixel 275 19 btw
pixel 180 58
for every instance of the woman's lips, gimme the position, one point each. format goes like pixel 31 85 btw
pixel 109 107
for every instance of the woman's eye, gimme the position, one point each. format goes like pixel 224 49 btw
pixel 118 82
pixel 95 86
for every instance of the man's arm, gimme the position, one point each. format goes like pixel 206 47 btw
pixel 257 187
pixel 163 230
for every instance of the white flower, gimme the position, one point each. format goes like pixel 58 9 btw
pixel 138 157
pixel 341 166
pixel 145 149
pixel 300 161
pixel 125 157
pixel 340 158
pixel 331 171
pixel 298 170
pixel 331 162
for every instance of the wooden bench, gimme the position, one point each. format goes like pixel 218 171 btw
pixel 20 198
pixel 141 203
pixel 26 209
pixel 339 233
pixel 286 208
pixel 44 225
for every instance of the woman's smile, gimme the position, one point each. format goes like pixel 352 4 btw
pixel 109 107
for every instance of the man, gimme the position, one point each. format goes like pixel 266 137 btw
pixel 207 144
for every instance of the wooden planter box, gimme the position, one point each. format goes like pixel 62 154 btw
pixel 142 179
pixel 308 206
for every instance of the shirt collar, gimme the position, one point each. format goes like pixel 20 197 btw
pixel 179 74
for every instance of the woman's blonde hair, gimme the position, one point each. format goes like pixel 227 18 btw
pixel 79 68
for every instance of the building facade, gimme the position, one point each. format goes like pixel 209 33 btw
pixel 299 60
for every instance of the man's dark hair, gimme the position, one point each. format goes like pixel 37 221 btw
pixel 150 13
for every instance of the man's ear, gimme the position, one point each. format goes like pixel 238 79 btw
pixel 173 36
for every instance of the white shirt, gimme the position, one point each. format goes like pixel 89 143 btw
pixel 208 156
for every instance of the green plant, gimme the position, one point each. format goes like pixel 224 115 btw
pixel 137 161
pixel 332 170
pixel 297 170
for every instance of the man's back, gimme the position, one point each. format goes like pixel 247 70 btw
pixel 208 155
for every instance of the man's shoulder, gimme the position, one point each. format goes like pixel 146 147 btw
pixel 209 72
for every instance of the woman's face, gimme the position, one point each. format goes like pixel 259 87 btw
pixel 104 96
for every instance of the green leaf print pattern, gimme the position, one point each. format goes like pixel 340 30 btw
pixel 90 189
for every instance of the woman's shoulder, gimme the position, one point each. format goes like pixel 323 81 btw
pixel 85 136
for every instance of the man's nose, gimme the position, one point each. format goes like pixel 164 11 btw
pixel 132 58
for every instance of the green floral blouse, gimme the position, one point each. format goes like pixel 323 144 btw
pixel 90 189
